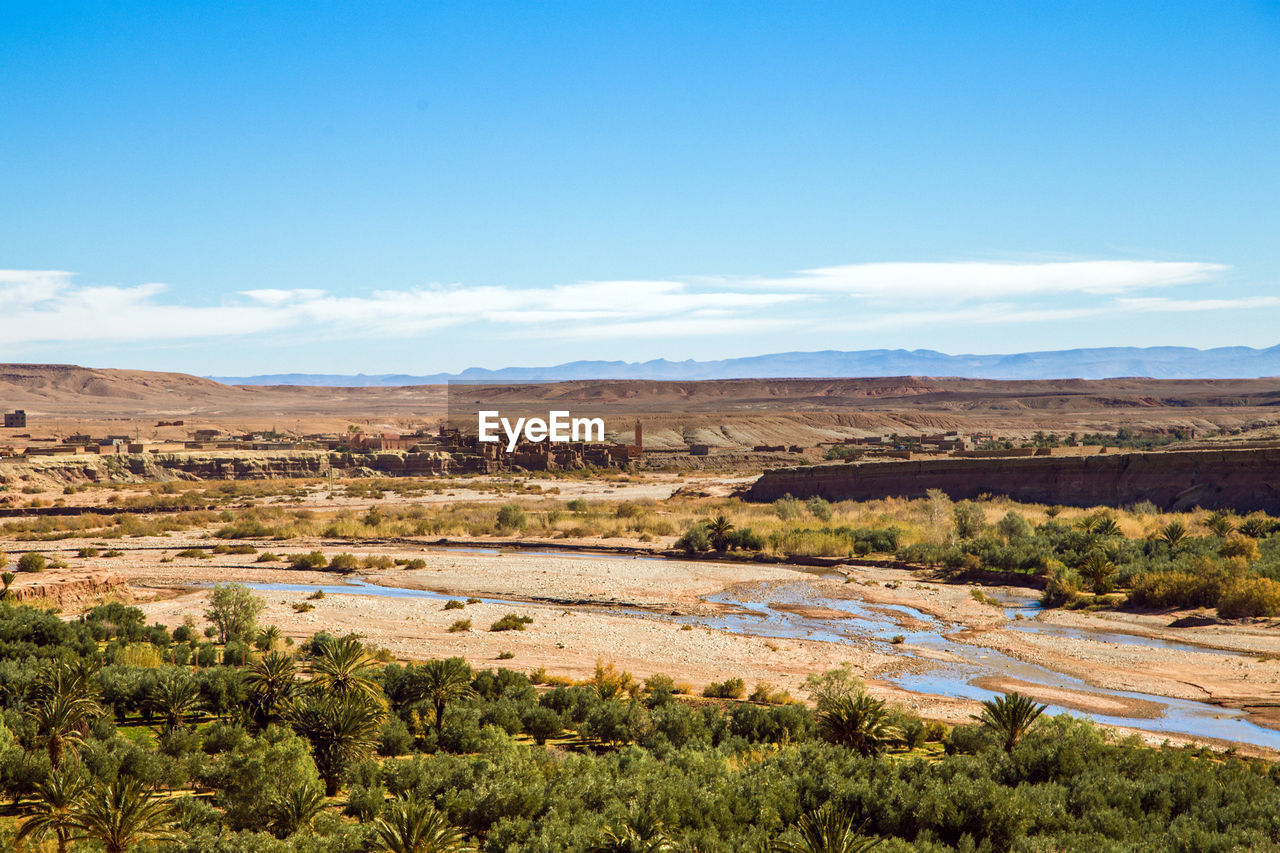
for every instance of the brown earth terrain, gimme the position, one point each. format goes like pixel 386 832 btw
pixel 722 413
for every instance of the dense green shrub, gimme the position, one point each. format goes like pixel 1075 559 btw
pixel 819 508
pixel 343 563
pixel 732 688
pixel 1013 526
pixel 1250 597
pixel 512 517
pixel 969 519
pixel 542 724
pixel 311 560
pixel 246 778
pixel 1177 588
pixel 395 738
pixel 695 539
pixel 32 561
pixel 745 539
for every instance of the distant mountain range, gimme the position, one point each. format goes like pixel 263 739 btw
pixel 1100 363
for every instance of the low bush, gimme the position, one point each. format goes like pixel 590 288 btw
pixel 312 560
pixel 1250 597
pixel 788 508
pixel 695 539
pixel 234 549
pixel 732 688
pixel 32 561
pixel 819 508
pixel 511 622
pixel 511 517
pixel 344 563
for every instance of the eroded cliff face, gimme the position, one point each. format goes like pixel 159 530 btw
pixel 1241 480
pixel 146 467
pixel 70 591
pixel 230 466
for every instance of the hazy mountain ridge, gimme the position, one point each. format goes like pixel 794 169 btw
pixel 1097 363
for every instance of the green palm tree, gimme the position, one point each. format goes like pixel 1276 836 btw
pixel 443 681
pixel 858 722
pixel 1221 524
pixel 1174 532
pixel 121 815
pixel 1010 716
pixel 268 639
pixel 174 698
pixel 1098 569
pixel 272 681
pixel 1106 526
pixel 828 830
pixel 342 730
pixel 296 809
pixel 345 668
pixel 1254 528
pixel 718 530
pixel 640 833
pixel 54 799
pixel 7 578
pixel 64 705
pixel 410 825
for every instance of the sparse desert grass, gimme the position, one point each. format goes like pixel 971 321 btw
pixel 1193 558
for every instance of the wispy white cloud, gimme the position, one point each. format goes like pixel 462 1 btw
pixel 49 306
pixel 43 307
pixel 985 280
pixel 1158 304
pixel 22 288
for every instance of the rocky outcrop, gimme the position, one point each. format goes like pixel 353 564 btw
pixel 69 590
pixel 234 465
pixel 1240 480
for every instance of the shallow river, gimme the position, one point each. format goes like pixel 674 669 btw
pixel 880 624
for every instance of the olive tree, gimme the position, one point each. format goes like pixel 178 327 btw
pixel 233 610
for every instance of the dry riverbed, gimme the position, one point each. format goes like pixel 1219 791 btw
pixel 578 604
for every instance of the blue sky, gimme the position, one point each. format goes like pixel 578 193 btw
pixel 242 188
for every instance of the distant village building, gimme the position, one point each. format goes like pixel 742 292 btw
pixel 637 449
pixel 15 420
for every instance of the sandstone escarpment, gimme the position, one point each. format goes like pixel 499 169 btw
pixel 70 590
pixel 1240 480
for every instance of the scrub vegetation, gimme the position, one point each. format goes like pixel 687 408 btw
pixel 123 736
